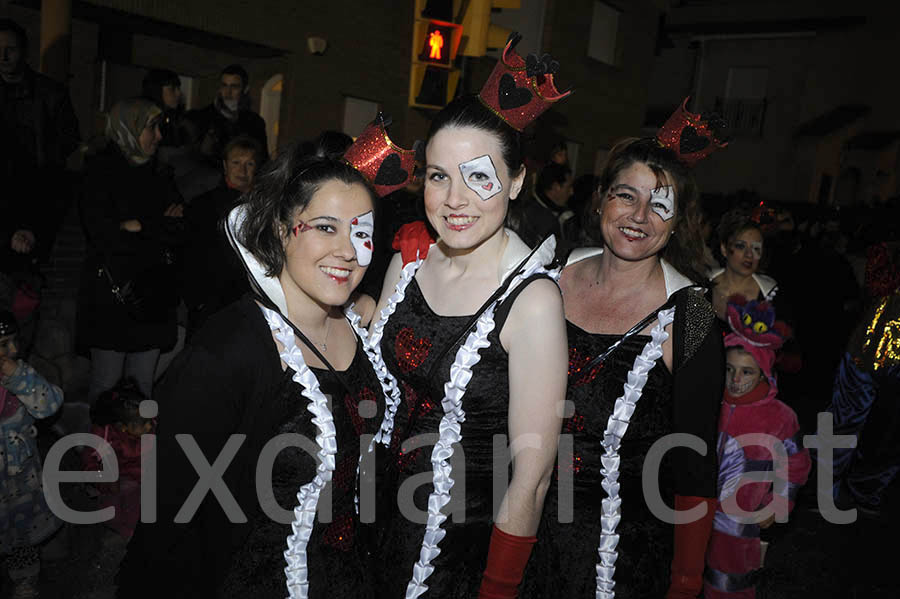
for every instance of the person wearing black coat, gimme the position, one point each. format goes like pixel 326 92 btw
pixel 132 220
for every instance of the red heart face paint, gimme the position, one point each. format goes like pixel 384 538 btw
pixel 361 229
pixel 301 227
pixel 480 176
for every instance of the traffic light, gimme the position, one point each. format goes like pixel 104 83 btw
pixel 480 33
pixel 432 76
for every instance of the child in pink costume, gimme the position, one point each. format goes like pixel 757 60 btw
pixel 117 420
pixel 757 433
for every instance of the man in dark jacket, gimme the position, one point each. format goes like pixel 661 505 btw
pixel 38 132
pixel 545 211
pixel 229 116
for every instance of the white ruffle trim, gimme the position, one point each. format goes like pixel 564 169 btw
pixel 449 428
pixel 308 496
pixel 612 439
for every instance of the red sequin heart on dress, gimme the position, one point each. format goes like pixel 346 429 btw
pixel 577 364
pixel 339 533
pixel 411 352
pixel 352 403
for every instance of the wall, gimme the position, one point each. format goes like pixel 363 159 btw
pixel 808 76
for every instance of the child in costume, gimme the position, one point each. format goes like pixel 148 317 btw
pixel 750 409
pixel 25 519
pixel 117 420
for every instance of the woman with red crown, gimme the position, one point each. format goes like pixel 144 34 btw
pixel 645 361
pixel 471 325
pixel 251 390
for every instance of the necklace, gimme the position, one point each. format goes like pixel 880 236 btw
pixel 324 343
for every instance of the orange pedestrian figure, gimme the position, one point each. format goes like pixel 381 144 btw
pixel 436 41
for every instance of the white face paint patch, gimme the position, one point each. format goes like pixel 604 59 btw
pixel 481 177
pixel 662 202
pixel 361 229
pixel 756 248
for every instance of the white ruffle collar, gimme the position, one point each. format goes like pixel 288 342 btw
pixel 268 286
pixel 765 283
pixel 675 281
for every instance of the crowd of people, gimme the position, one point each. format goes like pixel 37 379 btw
pixel 433 372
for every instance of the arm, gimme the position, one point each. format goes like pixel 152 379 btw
pixel 39 397
pixel 535 335
pixel 697 395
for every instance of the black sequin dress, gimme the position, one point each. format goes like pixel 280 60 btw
pixel 415 337
pixel 338 553
pixel 563 562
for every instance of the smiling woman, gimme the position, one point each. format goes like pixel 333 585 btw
pixel 472 327
pixel 282 377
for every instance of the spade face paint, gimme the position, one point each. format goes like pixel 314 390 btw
pixel 301 227
pixel 361 229
pixel 480 176
pixel 662 202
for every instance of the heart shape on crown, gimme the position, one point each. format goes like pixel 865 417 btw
pixel 509 96
pixel 691 141
pixel 391 172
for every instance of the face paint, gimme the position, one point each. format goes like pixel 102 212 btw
pixel 361 229
pixel 742 387
pixel 301 227
pixel 662 202
pixel 756 247
pixel 480 176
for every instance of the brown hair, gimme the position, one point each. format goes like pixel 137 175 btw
pixel 685 246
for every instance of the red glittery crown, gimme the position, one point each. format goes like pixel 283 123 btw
pixel 691 136
pixel 518 90
pixel 387 166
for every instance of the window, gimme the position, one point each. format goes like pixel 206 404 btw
pixel 744 104
pixel 604 33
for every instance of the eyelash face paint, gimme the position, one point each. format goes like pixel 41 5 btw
pixel 480 176
pixel 361 229
pixel 662 202
pixel 301 227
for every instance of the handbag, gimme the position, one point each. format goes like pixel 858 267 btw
pixel 147 297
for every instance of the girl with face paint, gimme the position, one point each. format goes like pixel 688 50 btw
pixel 283 360
pixel 473 330
pixel 645 220
pixel 742 249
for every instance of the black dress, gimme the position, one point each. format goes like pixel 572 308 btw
pixel 415 337
pixel 337 550
pixel 228 386
pixel 563 560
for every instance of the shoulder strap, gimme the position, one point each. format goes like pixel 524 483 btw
pixel 503 310
pixel 640 326
pixel 486 305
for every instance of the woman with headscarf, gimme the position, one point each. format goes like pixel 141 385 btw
pixel 132 219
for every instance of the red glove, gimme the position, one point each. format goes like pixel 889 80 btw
pixel 506 561
pixel 690 549
pixel 412 238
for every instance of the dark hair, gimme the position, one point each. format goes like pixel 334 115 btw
pixel 468 111
pixel 733 223
pixel 244 142
pixel 283 187
pixel 119 405
pixel 552 173
pixel 236 69
pixel 684 249
pixel 329 144
pixel 18 30
pixel 155 80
